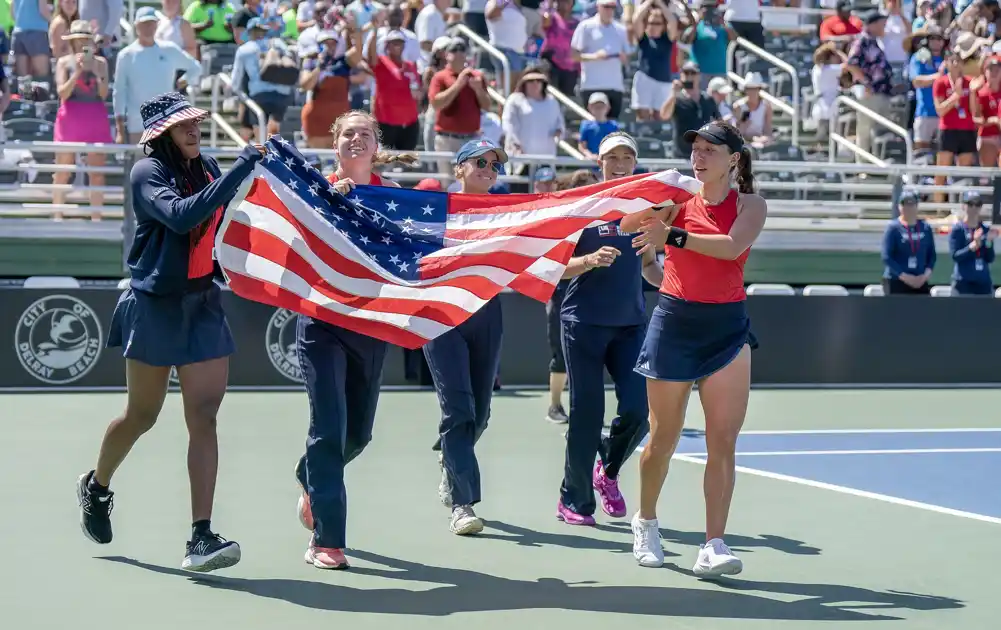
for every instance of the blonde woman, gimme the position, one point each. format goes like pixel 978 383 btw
pixel 65 13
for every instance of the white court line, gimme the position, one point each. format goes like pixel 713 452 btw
pixel 867 431
pixel 886 451
pixel 852 491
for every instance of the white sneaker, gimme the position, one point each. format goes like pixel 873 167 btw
pixel 465 522
pixel 646 542
pixel 444 486
pixel 716 559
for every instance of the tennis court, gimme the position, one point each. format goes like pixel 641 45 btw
pixel 851 506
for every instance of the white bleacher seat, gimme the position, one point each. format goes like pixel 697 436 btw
pixel 812 290
pixel 997 293
pixel 51 282
pixel 770 289
pixel 123 283
pixel 941 291
pixel 873 290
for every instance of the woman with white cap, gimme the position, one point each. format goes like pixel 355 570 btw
pixel 603 317
pixel 752 113
pixel 397 88
pixel 82 84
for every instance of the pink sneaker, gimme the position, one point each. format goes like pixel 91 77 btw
pixel 570 517
pixel 612 502
pixel 325 558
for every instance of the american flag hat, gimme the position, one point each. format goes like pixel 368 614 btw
pixel 163 112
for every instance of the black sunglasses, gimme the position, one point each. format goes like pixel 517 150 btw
pixel 482 162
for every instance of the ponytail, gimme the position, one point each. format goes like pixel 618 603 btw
pixel 745 177
pixel 407 159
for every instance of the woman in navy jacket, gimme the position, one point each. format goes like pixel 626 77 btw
pixel 908 251
pixel 971 244
pixel 171 315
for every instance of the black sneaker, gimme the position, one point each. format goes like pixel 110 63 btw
pixel 209 551
pixel 95 510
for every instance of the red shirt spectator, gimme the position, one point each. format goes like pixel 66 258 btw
pixel 395 84
pixel 960 117
pixel 842 24
pixel 462 115
pixel 989 103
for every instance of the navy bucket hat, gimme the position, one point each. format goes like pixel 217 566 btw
pixel 160 113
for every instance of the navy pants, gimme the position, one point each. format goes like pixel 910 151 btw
pixel 463 364
pixel 343 373
pixel 589 350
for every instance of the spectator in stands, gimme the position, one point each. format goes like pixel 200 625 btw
pixel 984 107
pixel 924 68
pixel 473 16
pixel 869 68
pixel 957 131
pixel 287 11
pixel 66 12
pixel 30 41
pixel 719 89
pixel 709 39
pixel 251 9
pixel 325 78
pixel 558 25
pixel 924 15
pixel 592 132
pixel 144 70
pixel 174 28
pixel 744 17
pixel 364 11
pixel 980 17
pixel 908 251
pixel 388 21
pixel 398 91
pixel 897 28
pixel 825 76
pixel 655 28
pixel 508 33
pixel 210 20
pixel 544 181
pixel 601 45
pixel 842 26
pixel 532 120
pixel 107 16
pixel 687 108
pixel 436 62
pixel 458 95
pixel 326 20
pixel 306 14
pixel 971 244
pixel 273 98
pixel 82 85
pixel 753 113
pixel 430 26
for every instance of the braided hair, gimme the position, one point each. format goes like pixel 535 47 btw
pixel 192 176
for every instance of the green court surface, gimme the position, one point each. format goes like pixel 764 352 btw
pixel 814 557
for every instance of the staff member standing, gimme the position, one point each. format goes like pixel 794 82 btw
pixel 171 315
pixel 971 244
pixel 464 362
pixel 908 251
pixel 603 318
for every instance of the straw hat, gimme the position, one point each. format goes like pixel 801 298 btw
pixel 754 80
pixel 79 29
pixel 531 76
pixel 928 30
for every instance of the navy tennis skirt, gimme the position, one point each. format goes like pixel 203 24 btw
pixel 687 341
pixel 171 330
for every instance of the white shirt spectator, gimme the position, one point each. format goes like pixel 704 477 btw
pixel 531 126
pixel 591 36
pixel 430 25
pixel 144 72
pixel 364 11
pixel 107 13
pixel 510 30
pixel 893 39
pixel 411 47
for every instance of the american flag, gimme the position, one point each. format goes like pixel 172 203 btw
pixel 404 265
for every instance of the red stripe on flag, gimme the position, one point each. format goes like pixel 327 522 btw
pixel 273 295
pixel 434 267
pixel 533 287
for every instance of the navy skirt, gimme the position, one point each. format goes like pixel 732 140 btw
pixel 171 330
pixel 687 341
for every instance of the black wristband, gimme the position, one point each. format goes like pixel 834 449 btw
pixel 676 237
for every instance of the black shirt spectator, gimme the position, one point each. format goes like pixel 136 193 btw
pixel 688 108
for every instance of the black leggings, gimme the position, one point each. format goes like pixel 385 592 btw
pixel 400 138
pixel 554 330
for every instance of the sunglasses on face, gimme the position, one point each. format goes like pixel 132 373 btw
pixel 482 162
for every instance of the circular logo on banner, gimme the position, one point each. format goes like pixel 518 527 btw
pixel 279 341
pixel 172 379
pixel 58 339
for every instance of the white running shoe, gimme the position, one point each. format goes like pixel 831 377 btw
pixel 465 522
pixel 444 486
pixel 716 559
pixel 646 542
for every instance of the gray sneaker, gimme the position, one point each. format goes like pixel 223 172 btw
pixel 464 521
pixel 444 486
pixel 557 415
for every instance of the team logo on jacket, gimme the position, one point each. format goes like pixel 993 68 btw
pixel 280 344
pixel 173 379
pixel 58 339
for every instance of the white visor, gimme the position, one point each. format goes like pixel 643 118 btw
pixel 610 142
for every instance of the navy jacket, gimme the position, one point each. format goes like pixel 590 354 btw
pixel 965 268
pixel 607 296
pixel 159 257
pixel 902 246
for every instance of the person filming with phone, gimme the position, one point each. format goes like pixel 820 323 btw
pixel 688 107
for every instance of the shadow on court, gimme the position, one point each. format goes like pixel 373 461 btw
pixel 470 591
pixel 531 538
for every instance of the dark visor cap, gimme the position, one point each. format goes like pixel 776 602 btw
pixel 717 134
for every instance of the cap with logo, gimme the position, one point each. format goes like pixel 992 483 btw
pixel 616 140
pixel 909 197
pixel 146 14
pixel 972 197
pixel 476 148
pixel 545 174
pixel 717 134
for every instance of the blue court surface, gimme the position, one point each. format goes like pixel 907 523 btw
pixel 954 471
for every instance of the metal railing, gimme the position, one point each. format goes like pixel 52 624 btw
pixel 837 139
pixel 471 35
pixel 217 120
pixel 569 103
pixel 568 148
pixel 792 110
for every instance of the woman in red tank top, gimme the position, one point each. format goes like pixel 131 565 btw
pixel 700 333
pixel 342 370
